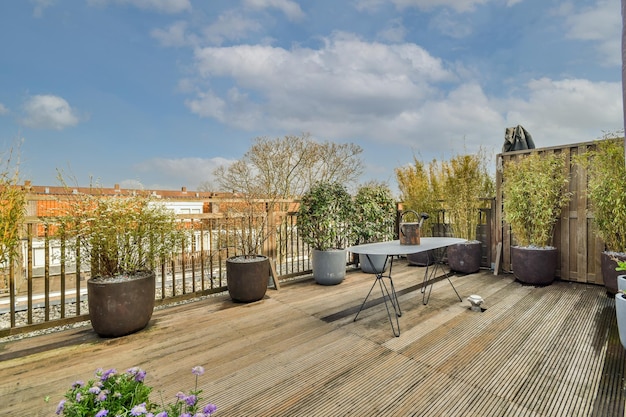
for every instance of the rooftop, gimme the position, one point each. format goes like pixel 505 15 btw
pixel 532 351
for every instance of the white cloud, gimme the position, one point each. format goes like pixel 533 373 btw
pixel 174 35
pixel 40 6
pixel 48 112
pixel 3 109
pixel 162 6
pixel 291 9
pixel 567 111
pixel 230 26
pixel 459 6
pixel 189 172
pixel 345 79
pixel 600 24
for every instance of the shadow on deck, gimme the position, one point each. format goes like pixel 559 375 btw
pixel 551 351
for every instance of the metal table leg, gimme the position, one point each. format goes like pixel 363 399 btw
pixel 430 274
pixel 391 295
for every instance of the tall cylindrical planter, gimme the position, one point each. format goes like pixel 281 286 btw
pixel 247 277
pixel 535 266
pixel 465 257
pixel 329 266
pixel 609 274
pixel 119 306
pixel 620 313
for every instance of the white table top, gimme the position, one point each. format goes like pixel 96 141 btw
pixel 395 248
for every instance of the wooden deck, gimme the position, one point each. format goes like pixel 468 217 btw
pixel 549 351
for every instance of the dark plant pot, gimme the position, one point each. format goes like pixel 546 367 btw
pixel 247 277
pixel 121 306
pixel 421 258
pixel 535 266
pixel 609 274
pixel 465 257
pixel 373 264
pixel 329 266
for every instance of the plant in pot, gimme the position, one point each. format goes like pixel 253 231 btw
pixel 606 190
pixel 326 223
pixel 374 222
pixel 466 184
pixel 420 192
pixel 123 238
pixel 534 194
pixel 12 211
pixel 620 300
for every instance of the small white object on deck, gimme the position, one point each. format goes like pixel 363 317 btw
pixel 476 301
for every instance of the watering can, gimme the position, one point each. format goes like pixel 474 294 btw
pixel 410 231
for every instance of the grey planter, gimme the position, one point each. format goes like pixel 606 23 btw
pixel 373 264
pixel 247 278
pixel 329 266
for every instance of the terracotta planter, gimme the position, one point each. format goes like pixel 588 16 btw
pixel 247 278
pixel 465 257
pixel 329 266
pixel 535 266
pixel 609 274
pixel 121 306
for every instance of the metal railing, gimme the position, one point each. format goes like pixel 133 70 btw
pixel 48 288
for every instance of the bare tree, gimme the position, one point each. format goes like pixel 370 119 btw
pixel 286 167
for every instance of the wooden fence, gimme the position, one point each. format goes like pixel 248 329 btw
pixel 578 247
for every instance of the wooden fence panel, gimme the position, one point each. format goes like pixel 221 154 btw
pixel 574 237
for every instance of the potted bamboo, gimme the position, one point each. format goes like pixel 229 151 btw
pixel 123 238
pixel 466 181
pixel 535 192
pixel 326 223
pixel 375 220
pixel 420 191
pixel 607 193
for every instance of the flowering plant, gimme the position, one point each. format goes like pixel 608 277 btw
pixel 112 394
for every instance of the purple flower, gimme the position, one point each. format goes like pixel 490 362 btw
pixel 181 395
pixel 185 415
pixel 102 396
pixel 209 409
pixel 78 384
pixel 107 374
pixel 139 410
pixel 102 413
pixel 60 407
pixel 197 370
pixel 95 390
pixel 191 400
pixel 79 396
pixel 162 414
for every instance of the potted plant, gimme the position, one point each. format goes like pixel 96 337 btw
pixel 534 194
pixel 325 222
pixel 123 238
pixel 12 211
pixel 620 300
pixel 374 222
pixel 466 181
pixel 606 190
pixel 420 192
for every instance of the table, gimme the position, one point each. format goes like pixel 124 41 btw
pixel 394 248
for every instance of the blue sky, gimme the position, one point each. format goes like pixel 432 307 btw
pixel 161 92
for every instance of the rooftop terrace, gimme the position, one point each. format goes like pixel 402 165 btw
pixel 550 351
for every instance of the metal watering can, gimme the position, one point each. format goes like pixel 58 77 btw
pixel 410 231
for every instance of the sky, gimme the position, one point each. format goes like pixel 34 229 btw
pixel 158 93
